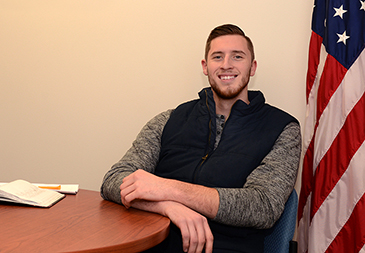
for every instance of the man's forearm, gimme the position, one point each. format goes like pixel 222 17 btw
pixel 202 199
pixel 150 206
pixel 142 185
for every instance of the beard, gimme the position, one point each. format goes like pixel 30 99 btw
pixel 230 92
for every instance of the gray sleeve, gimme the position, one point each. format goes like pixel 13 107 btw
pixel 143 154
pixel 261 200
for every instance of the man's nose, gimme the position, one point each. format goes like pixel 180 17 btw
pixel 226 63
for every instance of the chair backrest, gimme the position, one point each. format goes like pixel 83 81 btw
pixel 283 231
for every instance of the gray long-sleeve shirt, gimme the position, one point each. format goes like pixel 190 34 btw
pixel 259 203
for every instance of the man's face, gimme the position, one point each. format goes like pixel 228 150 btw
pixel 229 66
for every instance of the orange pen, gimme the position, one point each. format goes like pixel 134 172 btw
pixel 58 187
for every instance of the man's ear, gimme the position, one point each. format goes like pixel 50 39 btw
pixel 253 68
pixel 204 66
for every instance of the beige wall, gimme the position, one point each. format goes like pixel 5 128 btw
pixel 80 78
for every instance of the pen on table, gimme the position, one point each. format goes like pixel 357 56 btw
pixel 58 187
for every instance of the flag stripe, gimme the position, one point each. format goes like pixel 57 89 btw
pixel 313 60
pixel 303 226
pixel 352 236
pixel 327 113
pixel 363 249
pixel 331 78
pixel 307 179
pixel 339 204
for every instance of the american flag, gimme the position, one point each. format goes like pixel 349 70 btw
pixel 331 212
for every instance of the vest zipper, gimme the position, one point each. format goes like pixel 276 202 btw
pixel 204 158
pixel 210 130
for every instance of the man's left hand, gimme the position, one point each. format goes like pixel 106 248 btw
pixel 143 185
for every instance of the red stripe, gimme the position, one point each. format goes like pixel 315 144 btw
pixel 313 60
pixel 307 179
pixel 336 160
pixel 351 238
pixel 332 76
pixel 307 173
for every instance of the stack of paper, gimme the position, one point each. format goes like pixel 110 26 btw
pixel 61 188
pixel 23 192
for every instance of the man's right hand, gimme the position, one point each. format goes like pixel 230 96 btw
pixel 194 227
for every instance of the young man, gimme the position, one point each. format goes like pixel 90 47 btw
pixel 221 167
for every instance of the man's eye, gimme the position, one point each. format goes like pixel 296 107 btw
pixel 217 57
pixel 238 57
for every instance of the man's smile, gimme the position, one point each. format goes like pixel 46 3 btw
pixel 227 77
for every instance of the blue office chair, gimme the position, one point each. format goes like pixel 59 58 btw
pixel 280 239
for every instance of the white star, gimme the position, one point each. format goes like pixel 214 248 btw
pixel 362 5
pixel 339 11
pixel 342 38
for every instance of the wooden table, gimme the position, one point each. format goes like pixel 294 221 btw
pixel 79 223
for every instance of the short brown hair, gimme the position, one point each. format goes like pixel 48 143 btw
pixel 228 29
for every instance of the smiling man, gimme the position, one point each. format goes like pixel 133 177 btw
pixel 221 167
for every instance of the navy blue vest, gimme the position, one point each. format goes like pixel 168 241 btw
pixel 188 154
